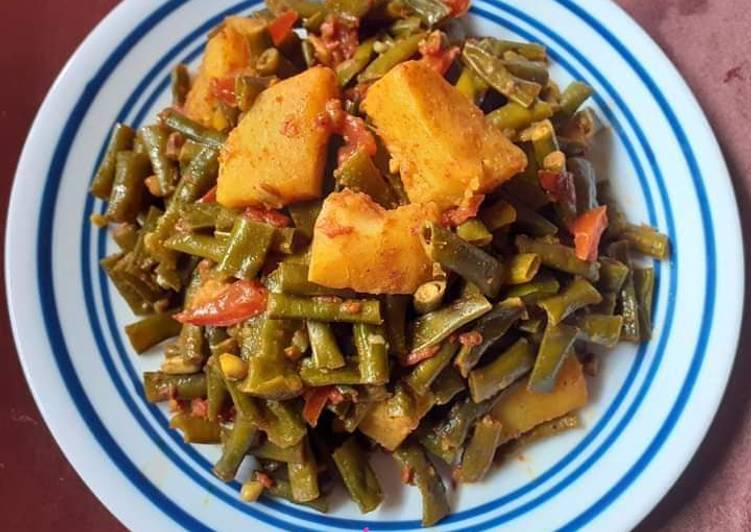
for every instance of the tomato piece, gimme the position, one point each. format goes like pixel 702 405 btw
pixel 281 26
pixel 315 402
pixel 470 339
pixel 234 304
pixel 267 216
pixel 223 89
pixel 435 56
pixel 199 407
pixel 457 7
pixel 339 37
pixel 415 357
pixel 353 130
pixel 209 197
pixel 588 229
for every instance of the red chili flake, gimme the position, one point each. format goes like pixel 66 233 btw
pixel 352 307
pixel 406 474
pixel 199 407
pixel 335 396
pixel 292 352
pixel 459 215
pixel 458 7
pixel 339 36
pixel 470 339
pixel 415 357
pixel 265 480
pixel 174 143
pixel 267 216
pixel 223 89
pixel 209 197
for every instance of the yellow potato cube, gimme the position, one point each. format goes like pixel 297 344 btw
pixel 390 431
pixel 276 154
pixel 227 52
pixel 358 244
pixel 520 410
pixel 445 150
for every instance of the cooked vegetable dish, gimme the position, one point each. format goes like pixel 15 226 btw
pixel 362 231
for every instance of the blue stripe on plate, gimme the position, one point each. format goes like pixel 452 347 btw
pixel 207 465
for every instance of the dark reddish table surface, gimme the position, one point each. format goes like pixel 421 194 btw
pixel 710 42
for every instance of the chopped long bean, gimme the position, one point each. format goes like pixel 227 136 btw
pixel 357 475
pixel 555 347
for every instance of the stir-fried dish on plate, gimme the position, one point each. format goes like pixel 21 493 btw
pixel 365 231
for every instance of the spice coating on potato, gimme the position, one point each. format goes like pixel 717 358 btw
pixel 358 244
pixel 445 150
pixel 227 52
pixel 277 153
pixel 520 410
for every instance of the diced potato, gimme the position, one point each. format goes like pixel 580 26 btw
pixel 445 150
pixel 520 410
pixel 227 53
pixel 390 431
pixel 276 154
pixel 358 244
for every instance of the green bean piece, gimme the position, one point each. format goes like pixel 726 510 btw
pixel 531 325
pixel 192 129
pixel 189 353
pixel 139 304
pixel 248 88
pixel 434 327
pixel 533 223
pixel 216 390
pixel 556 345
pixel 154 139
pixel 447 385
pixel 491 327
pixel 617 221
pixel 125 236
pixel 412 459
pixel 282 489
pixel 303 476
pixel 180 84
pixel 283 424
pixel 607 305
pixel 532 51
pixel 372 351
pixel 326 352
pixel 511 365
pixel 525 187
pixel 577 295
pixel 432 443
pixel 559 257
pixel 522 268
pixel 128 186
pixel 432 12
pixel 547 429
pixel 348 69
pixel 246 250
pixel 271 374
pixel 359 173
pixel 600 329
pixel 313 376
pixel 289 455
pixel 523 68
pixel 572 98
pixel 121 139
pixel 585 183
pixel 269 62
pixel 628 306
pixel 205 246
pixel 426 372
pixel 492 70
pixel 196 429
pixel 613 274
pixel 304 216
pixel 472 86
pixel 195 216
pixel 395 319
pixel 514 116
pixel 188 152
pixel 543 139
pixel 497 215
pixel 358 476
pixel 647 241
pixel 324 309
pixel 429 296
pixel 159 386
pixel 474 232
pixel 235 448
pixel 644 284
pixel 293 280
pixel 401 51
pixel 470 262
pixel 309 53
pixel 480 451
pixel 150 331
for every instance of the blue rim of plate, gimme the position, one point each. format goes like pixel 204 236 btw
pixel 173 510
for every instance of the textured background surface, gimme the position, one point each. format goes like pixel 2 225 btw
pixel 709 41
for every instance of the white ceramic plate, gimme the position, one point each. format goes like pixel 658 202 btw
pixel 651 407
